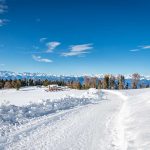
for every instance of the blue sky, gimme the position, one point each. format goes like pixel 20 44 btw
pixel 75 36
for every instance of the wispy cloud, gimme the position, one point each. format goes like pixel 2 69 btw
pixel 78 50
pixel 3 22
pixel 51 46
pixel 40 59
pixel 145 47
pixel 134 50
pixel 140 48
pixel 43 39
pixel 3 6
pixel 3 9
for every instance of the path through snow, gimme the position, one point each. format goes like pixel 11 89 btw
pixel 90 127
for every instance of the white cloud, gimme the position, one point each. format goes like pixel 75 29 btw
pixel 51 46
pixel 77 50
pixel 134 50
pixel 146 47
pixel 40 59
pixel 3 22
pixel 42 39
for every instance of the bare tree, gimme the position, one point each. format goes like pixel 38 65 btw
pixel 100 84
pixel 106 82
pixel 93 82
pixel 112 82
pixel 135 80
pixel 121 81
pixel 8 85
pixel 86 82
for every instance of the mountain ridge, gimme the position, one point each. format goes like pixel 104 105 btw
pixel 28 75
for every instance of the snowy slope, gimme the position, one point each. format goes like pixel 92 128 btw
pixel 87 120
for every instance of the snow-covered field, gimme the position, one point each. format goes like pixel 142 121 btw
pixel 29 95
pixel 32 118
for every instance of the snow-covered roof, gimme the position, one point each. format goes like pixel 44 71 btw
pixel 53 85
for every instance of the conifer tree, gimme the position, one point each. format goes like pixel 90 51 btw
pixel 46 82
pixel 1 84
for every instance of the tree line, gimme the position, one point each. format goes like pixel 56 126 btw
pixel 18 83
pixel 108 82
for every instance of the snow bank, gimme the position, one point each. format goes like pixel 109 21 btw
pixel 92 93
pixel 15 115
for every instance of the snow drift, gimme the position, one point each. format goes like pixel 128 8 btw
pixel 16 115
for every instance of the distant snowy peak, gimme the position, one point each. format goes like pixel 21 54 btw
pixel 28 75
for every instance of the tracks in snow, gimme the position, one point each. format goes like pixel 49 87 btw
pixel 119 138
pixel 90 127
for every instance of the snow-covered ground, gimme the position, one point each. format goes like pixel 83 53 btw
pixel 75 119
pixel 28 95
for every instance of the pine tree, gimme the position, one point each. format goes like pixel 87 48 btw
pixel 46 82
pixel 1 84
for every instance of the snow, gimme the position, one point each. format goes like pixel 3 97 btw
pixel 137 121
pixel 75 119
pixel 28 95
